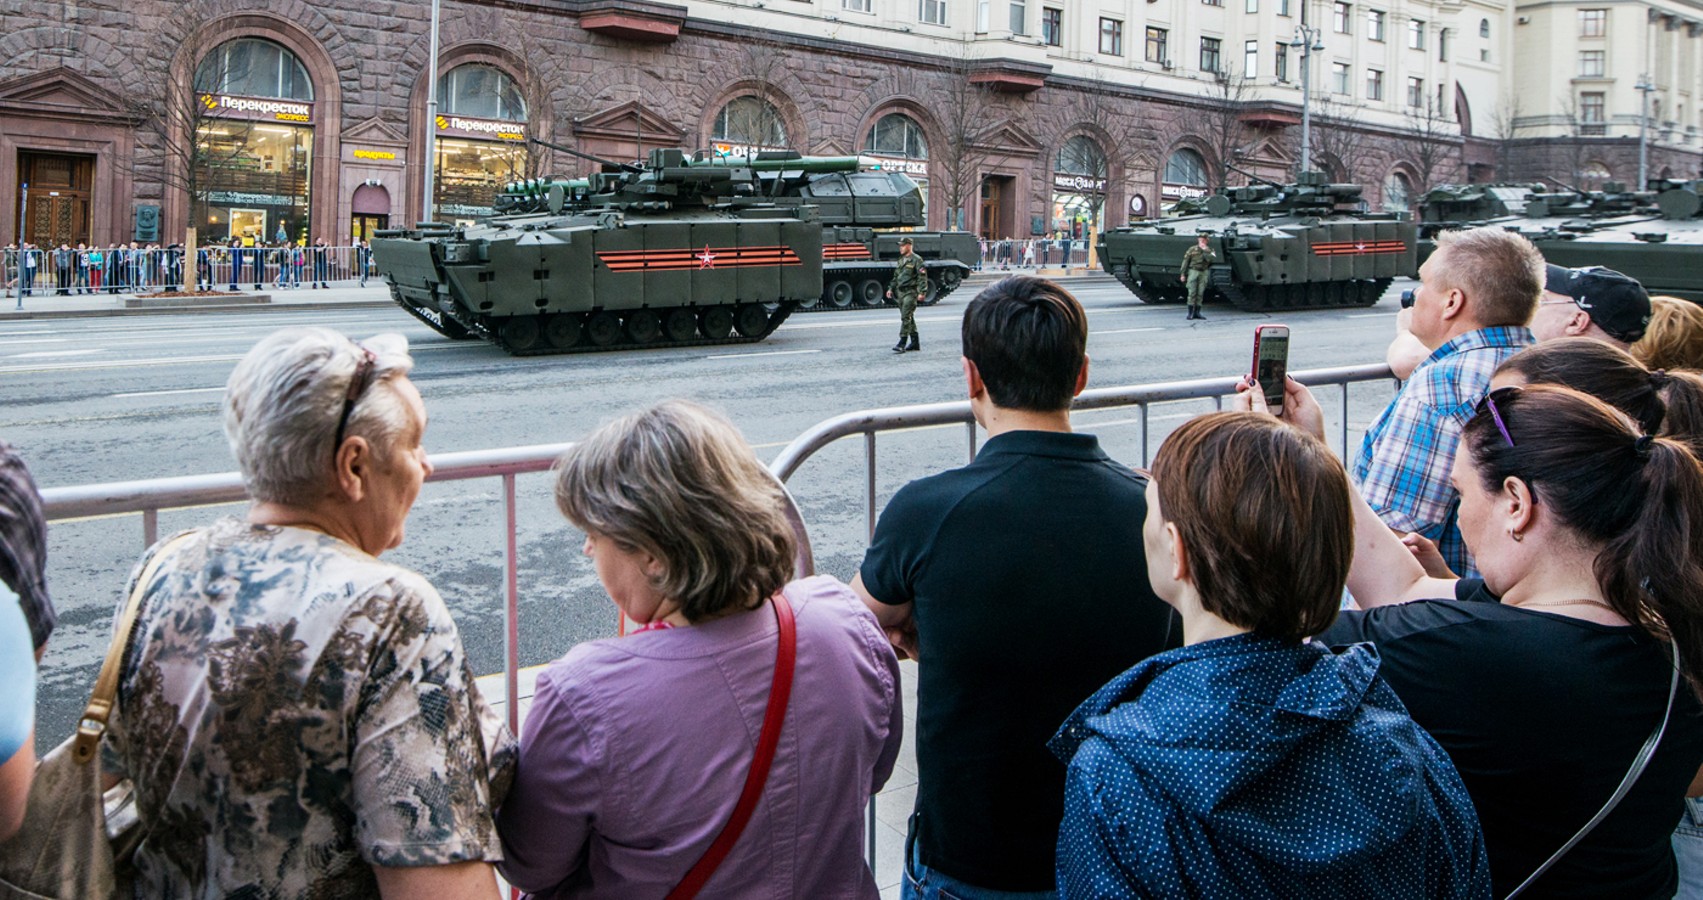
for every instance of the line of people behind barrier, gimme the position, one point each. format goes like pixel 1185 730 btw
pixel 136 268
pixel 1133 683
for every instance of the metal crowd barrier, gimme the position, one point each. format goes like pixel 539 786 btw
pixel 150 497
pixel 1033 253
pixel 121 270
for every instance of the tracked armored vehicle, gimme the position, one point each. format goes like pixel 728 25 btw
pixel 1279 246
pixel 1655 236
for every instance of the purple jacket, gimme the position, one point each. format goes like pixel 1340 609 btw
pixel 635 750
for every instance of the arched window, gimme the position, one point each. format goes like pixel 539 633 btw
pixel 1081 156
pixel 897 134
pixel 1185 167
pixel 1398 193
pixel 750 121
pixel 1594 173
pixel 1483 28
pixel 481 91
pixel 252 67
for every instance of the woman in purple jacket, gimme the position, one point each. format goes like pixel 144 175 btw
pixel 636 749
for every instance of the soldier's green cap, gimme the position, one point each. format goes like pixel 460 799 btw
pixel 906 241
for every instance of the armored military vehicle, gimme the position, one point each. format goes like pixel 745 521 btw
pixel 1654 235
pixel 1279 246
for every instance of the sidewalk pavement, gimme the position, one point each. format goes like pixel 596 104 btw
pixel 348 294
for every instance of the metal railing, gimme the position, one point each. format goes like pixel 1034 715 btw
pixel 150 497
pixel 1034 253
pixel 142 270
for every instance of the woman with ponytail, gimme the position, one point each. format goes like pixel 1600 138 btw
pixel 1545 678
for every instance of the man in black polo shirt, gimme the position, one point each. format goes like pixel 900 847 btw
pixel 1019 584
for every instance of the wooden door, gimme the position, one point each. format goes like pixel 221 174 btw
pixel 58 207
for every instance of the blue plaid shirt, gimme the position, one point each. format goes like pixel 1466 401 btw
pixel 1403 466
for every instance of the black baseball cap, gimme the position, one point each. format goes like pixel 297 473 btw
pixel 1617 303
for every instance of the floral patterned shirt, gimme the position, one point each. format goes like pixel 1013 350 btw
pixel 294 712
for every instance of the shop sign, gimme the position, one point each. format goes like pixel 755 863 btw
pixel 462 209
pixel 1170 191
pixel 1078 184
pixel 913 167
pixel 482 128
pixel 257 109
pixel 745 150
pixel 374 154
pixel 243 198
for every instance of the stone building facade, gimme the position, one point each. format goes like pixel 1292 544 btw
pixel 296 120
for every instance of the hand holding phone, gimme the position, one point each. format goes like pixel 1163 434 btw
pixel 1271 364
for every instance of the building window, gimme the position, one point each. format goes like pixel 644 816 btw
pixel 1185 176
pixel 1250 59
pixel 1416 92
pixel 1374 84
pixel 1339 78
pixel 1593 22
pixel 1343 14
pixel 1209 55
pixel 749 123
pixel 1019 17
pixel 862 6
pixel 1397 190
pixel 1112 37
pixel 984 11
pixel 1251 6
pixel 1483 28
pixel 931 12
pixel 1283 7
pixel 1156 40
pixel 250 67
pixel 1484 54
pixel 1593 119
pixel 255 176
pixel 481 91
pixel 896 136
pixel 1375 25
pixel 1213 2
pixel 1593 174
pixel 1416 34
pixel 1591 63
pixel 1282 71
pixel 1442 44
pixel 1052 26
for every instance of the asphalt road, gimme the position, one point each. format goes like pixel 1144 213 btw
pixel 119 398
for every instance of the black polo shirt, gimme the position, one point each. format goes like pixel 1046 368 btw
pixel 1031 592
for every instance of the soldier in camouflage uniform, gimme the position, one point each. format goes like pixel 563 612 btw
pixel 909 281
pixel 1197 263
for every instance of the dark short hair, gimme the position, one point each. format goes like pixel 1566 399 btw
pixel 1265 519
pixel 1028 338
pixel 1590 366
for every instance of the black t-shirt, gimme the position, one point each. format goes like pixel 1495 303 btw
pixel 1031 592
pixel 1543 715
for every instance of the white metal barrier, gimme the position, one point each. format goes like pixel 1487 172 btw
pixel 125 270
pixel 148 498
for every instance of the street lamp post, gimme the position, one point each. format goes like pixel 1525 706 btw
pixel 432 116
pixel 1643 86
pixel 1307 40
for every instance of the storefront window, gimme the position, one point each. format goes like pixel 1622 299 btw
pixel 1185 176
pixel 748 123
pixel 1398 192
pixel 897 140
pixel 1079 187
pixel 253 144
pixel 481 140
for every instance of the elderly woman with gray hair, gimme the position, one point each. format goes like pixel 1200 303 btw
pixel 298 717
pixel 648 760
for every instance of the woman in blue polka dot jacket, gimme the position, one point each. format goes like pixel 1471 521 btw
pixel 1252 762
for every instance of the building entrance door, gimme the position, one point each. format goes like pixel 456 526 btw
pixel 58 207
pixel 998 208
pixel 361 228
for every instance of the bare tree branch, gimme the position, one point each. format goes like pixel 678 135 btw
pixel 1221 123
pixel 966 112
pixel 1131 144
pixel 1430 145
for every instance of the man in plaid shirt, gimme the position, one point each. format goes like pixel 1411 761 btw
pixel 1476 294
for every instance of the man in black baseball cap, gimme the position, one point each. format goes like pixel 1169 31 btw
pixel 1591 302
pixel 23 544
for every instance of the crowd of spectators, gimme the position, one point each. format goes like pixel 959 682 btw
pixel 1468 664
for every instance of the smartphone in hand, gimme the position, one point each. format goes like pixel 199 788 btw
pixel 1271 363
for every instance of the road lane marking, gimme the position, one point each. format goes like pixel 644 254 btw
pixel 28 333
pixel 45 353
pixel 128 364
pixel 36 341
pixel 1124 331
pixel 1376 315
pixel 167 393
pixel 764 353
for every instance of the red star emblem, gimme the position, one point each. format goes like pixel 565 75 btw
pixel 1360 247
pixel 706 259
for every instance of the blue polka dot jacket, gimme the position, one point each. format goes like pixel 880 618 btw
pixel 1254 767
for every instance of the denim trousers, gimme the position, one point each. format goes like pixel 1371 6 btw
pixel 1688 851
pixel 922 883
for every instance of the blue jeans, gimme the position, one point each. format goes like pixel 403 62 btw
pixel 922 883
pixel 1688 851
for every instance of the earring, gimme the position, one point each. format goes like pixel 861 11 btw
pixel 1518 537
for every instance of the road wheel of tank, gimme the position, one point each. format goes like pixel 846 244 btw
pixel 1373 290
pixel 680 325
pixel 810 302
pixel 840 293
pixel 603 328
pixel 949 280
pixel 643 326
pixel 750 319
pixel 521 333
pixel 562 330
pixel 870 292
pixel 716 322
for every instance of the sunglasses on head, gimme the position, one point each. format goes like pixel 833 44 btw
pixel 357 386
pixel 1489 403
